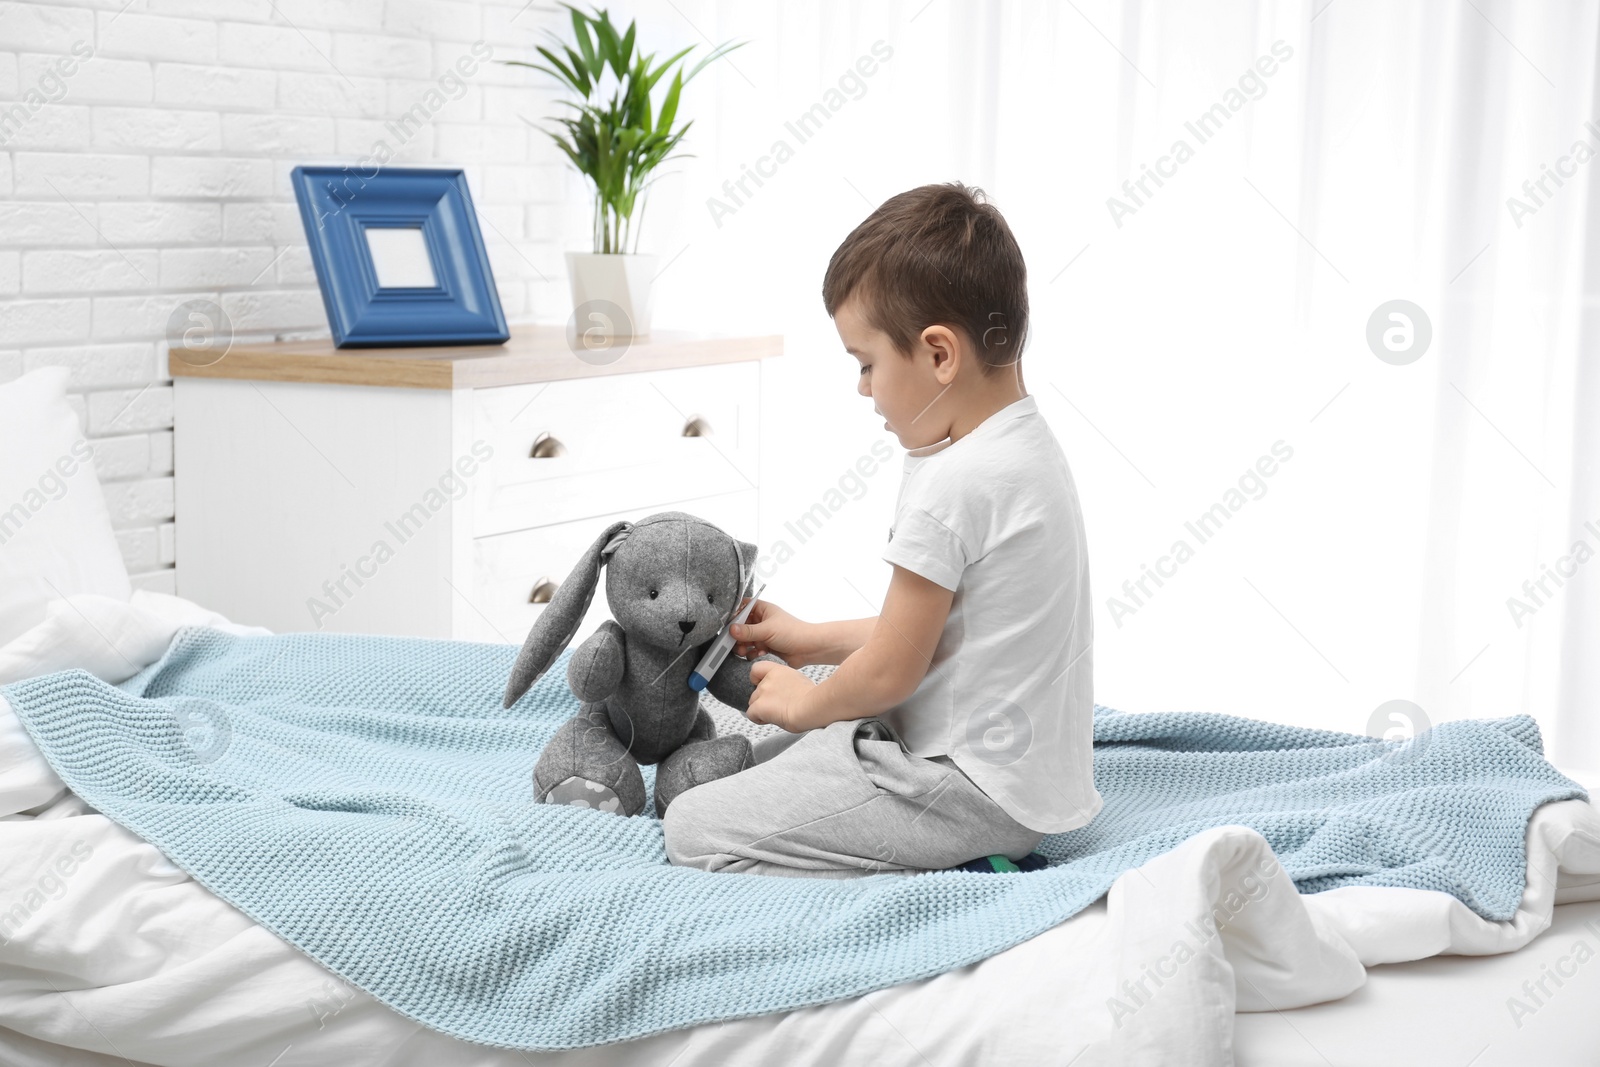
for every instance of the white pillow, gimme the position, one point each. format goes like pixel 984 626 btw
pixel 55 532
pixel 110 638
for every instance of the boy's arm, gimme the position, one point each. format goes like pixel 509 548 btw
pixel 838 639
pixel 887 669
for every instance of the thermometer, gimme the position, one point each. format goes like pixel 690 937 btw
pixel 719 648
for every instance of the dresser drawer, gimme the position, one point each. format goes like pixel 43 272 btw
pixel 506 568
pixel 644 439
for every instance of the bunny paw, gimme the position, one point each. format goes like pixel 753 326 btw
pixel 582 793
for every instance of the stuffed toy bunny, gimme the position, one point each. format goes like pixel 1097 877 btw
pixel 673 583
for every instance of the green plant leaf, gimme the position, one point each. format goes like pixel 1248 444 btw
pixel 669 106
pixel 720 51
pixel 655 75
pixel 576 62
pixel 627 51
pixel 644 117
pixel 580 29
pixel 534 66
pixel 610 46
pixel 575 78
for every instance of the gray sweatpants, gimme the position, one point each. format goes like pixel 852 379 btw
pixel 842 801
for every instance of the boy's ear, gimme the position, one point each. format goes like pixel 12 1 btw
pixel 946 351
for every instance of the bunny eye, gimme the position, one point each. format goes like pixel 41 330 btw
pixel 711 599
pixel 652 594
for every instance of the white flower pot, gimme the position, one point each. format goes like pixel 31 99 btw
pixel 611 293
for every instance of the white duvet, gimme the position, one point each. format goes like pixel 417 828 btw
pixel 110 955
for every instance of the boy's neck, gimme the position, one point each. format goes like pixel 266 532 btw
pixel 1002 392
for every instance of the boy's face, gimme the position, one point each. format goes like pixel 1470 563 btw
pixel 901 389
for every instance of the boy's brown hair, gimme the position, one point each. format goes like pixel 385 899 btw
pixel 936 254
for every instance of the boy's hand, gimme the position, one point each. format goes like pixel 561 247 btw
pixel 779 697
pixel 771 629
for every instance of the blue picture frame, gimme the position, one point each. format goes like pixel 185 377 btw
pixel 338 204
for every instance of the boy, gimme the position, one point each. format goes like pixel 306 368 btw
pixel 958 723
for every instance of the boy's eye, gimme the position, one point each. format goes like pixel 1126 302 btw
pixel 865 367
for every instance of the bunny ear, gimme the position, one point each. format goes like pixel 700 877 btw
pixel 611 546
pixel 555 627
pixel 746 554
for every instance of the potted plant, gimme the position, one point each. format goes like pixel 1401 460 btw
pixel 615 141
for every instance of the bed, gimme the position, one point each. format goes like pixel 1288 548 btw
pixel 110 954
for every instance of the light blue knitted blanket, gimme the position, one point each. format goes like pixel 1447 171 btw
pixel 368 800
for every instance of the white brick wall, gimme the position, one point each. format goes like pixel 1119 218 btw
pixel 157 172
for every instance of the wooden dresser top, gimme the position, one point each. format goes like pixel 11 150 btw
pixel 535 353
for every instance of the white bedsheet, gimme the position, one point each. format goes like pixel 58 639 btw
pixel 1451 1010
pixel 127 959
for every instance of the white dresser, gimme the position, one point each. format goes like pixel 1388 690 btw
pixel 445 492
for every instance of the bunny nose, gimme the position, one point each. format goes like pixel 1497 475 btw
pixel 686 626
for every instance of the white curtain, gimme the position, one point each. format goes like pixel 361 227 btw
pixel 1336 156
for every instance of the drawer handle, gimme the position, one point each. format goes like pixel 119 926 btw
pixel 543 590
pixel 546 447
pixel 697 427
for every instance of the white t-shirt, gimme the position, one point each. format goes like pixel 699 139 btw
pixel 1009 697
